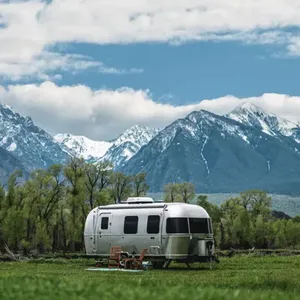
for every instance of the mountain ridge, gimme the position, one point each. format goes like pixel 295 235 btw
pixel 117 150
pixel 246 148
pixel 203 147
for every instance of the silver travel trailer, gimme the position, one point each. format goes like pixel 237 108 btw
pixel 170 231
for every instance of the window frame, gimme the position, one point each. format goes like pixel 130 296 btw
pixel 207 225
pixel 187 225
pixel 136 225
pixel 102 223
pixel 158 225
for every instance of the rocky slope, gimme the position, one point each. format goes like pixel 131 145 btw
pixel 219 154
pixel 128 144
pixel 25 143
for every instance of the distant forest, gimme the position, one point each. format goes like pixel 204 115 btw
pixel 47 211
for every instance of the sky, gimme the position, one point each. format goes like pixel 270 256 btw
pixel 97 67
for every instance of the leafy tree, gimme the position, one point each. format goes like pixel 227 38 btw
pixel 121 186
pixel 140 187
pixel 280 239
pixel 213 210
pixel 97 178
pixel 186 191
pixel 75 174
pixel 171 191
pixel 257 202
pixel 292 233
pixel 260 232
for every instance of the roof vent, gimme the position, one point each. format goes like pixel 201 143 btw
pixel 136 200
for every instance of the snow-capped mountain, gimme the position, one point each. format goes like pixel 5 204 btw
pixel 28 143
pixel 128 144
pixel 218 154
pixel 248 148
pixel 117 151
pixel 81 146
pixel 252 115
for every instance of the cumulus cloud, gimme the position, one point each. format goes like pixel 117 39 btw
pixel 28 27
pixel 103 114
pixel 24 41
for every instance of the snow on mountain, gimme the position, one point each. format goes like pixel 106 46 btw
pixel 217 154
pixel 128 144
pixel 252 115
pixel 27 142
pixel 116 151
pixel 81 146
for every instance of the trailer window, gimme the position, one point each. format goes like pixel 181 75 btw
pixel 104 223
pixel 153 224
pixel 177 225
pixel 131 224
pixel 198 225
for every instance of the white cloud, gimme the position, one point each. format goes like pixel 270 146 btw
pixel 27 28
pixel 48 65
pixel 154 20
pixel 24 40
pixel 103 114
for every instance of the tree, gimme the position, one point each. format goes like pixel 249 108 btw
pixel 260 232
pixel 2 203
pixel 179 192
pixel 186 191
pixel 257 202
pixel 171 191
pixel 97 178
pixel 12 216
pixel 75 174
pixel 140 187
pixel 213 210
pixel 121 186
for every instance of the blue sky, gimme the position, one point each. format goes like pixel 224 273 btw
pixel 97 67
pixel 189 72
pixel 192 71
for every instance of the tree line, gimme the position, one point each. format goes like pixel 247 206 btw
pixel 242 222
pixel 247 221
pixel 48 210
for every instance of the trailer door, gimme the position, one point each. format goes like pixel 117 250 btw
pixel 103 233
pixel 153 233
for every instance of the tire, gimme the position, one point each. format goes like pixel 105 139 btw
pixel 158 265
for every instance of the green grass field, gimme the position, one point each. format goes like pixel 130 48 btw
pixel 240 277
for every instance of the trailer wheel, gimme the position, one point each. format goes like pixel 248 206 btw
pixel 158 265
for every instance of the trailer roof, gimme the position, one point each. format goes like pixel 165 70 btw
pixel 158 204
pixel 133 205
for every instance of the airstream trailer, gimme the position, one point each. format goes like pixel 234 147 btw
pixel 171 231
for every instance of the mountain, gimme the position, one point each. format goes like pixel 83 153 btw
pixel 220 154
pixel 248 148
pixel 81 146
pixel 118 151
pixel 252 115
pixel 8 164
pixel 128 144
pixel 25 143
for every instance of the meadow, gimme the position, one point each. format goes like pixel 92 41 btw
pixel 239 277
